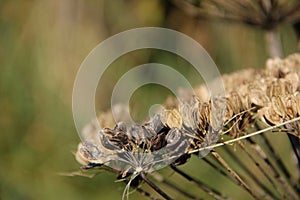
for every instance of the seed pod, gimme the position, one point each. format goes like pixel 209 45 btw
pixel 272 117
pixel 293 79
pixel 173 137
pixel 171 118
pixel 278 106
pixel 235 102
pixel 297 99
pixel 204 118
pixel 291 107
pixel 138 135
pixel 80 155
pixel 91 151
pixel 258 97
pixel 106 141
pixel 285 87
pixel 177 145
pixel 189 112
pixel 156 124
pixel 229 110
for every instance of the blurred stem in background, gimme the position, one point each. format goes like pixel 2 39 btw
pixel 273 43
pixel 267 15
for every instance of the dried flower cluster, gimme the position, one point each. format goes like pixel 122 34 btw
pixel 267 15
pixel 165 139
pixel 272 93
pixel 270 96
pixel 260 13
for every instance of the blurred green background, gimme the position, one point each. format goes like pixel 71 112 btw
pixel 42 44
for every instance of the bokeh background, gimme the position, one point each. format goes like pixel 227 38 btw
pixel 42 44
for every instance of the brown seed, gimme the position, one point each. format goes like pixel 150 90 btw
pixel 171 118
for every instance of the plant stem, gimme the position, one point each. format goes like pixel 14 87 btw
pixel 234 175
pixel 161 179
pixel 157 189
pixel 212 192
pixel 273 41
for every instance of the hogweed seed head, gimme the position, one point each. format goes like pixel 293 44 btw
pixel 170 137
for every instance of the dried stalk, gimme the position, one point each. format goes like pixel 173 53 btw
pixel 157 189
pixel 235 175
pixel 212 192
pixel 268 192
pixel 144 193
pixel 265 172
pixel 280 164
pixel 245 136
pixel 272 169
pixel 161 179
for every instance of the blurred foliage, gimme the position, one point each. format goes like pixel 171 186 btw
pixel 42 44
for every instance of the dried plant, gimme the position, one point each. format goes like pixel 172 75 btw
pixel 261 100
pixel 264 14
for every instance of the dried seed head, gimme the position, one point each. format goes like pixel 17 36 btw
pixel 271 95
